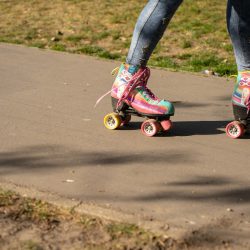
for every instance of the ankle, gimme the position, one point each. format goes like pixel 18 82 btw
pixel 130 68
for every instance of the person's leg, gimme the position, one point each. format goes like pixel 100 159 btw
pixel 150 28
pixel 130 83
pixel 238 21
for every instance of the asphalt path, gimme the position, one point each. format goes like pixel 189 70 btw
pixel 53 139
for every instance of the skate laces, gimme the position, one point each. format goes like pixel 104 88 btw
pixel 148 93
pixel 113 72
pixel 139 79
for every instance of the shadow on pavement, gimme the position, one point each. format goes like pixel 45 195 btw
pixel 200 189
pixel 202 181
pixel 187 128
pixel 235 194
pixel 39 158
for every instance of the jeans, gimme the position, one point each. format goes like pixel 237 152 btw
pixel 157 14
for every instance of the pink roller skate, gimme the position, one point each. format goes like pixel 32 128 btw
pixel 241 107
pixel 130 96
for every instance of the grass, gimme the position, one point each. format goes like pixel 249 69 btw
pixel 30 209
pixel 116 230
pixel 104 29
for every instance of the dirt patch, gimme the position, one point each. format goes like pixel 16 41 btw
pixel 33 224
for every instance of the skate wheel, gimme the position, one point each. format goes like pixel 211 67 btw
pixel 112 121
pixel 126 120
pixel 150 127
pixel 235 129
pixel 166 125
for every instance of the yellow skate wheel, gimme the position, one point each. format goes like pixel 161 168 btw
pixel 112 121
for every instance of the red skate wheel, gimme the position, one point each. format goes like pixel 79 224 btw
pixel 235 129
pixel 166 125
pixel 150 127
pixel 126 119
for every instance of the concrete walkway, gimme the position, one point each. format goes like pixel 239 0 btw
pixel 193 178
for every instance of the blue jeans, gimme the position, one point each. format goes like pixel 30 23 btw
pixel 157 14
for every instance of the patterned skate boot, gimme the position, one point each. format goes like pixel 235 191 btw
pixel 241 106
pixel 130 96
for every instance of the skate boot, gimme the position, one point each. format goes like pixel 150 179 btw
pixel 130 96
pixel 241 106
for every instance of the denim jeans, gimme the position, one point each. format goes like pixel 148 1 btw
pixel 157 14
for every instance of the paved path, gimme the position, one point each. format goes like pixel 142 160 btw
pixel 50 132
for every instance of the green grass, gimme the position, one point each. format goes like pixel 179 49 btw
pixel 58 47
pixel 97 51
pixel 116 230
pixel 196 38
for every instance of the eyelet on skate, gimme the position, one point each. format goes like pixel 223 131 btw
pixel 235 129
pixel 150 127
pixel 112 121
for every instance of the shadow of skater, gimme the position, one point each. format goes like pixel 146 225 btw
pixel 187 128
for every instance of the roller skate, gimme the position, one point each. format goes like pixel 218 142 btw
pixel 241 107
pixel 131 97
